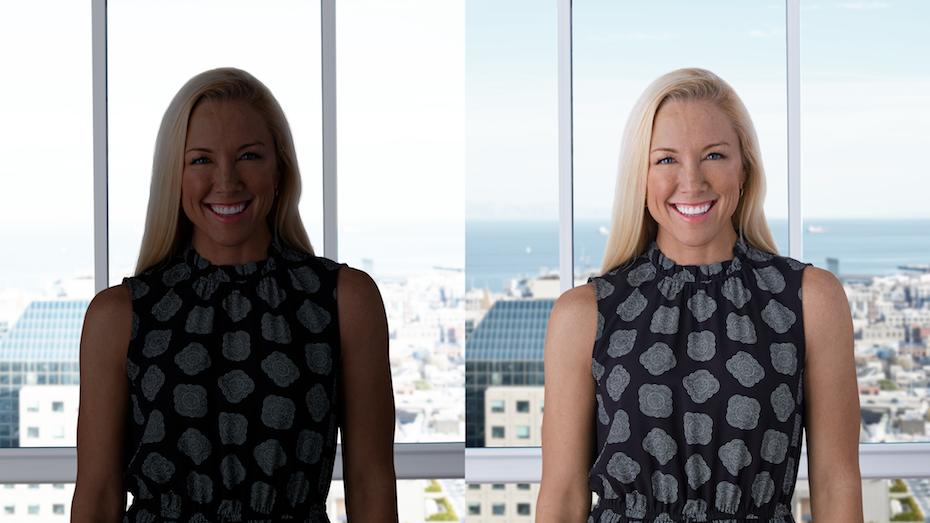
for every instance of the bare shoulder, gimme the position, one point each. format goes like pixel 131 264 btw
pixel 112 302
pixel 820 288
pixel 576 304
pixel 108 321
pixel 572 327
pixel 355 288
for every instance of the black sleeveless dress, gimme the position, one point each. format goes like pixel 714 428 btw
pixel 233 378
pixel 699 389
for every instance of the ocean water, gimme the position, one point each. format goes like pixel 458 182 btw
pixel 497 252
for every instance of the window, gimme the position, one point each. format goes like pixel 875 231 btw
pixel 523 509
pixel 497 406
pixel 523 486
pixel 58 406
pixel 523 432
pixel 32 432
pixel 498 509
pixel 523 406
pixel 32 406
pixel 9 509
pixel 498 486
pixel 58 508
pixel 33 509
pixel 474 509
pixel 497 432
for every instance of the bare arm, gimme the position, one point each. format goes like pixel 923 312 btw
pixel 98 493
pixel 568 422
pixel 368 400
pixel 832 397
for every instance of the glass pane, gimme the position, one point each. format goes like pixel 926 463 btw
pixel 401 114
pixel 619 48
pixel 262 39
pixel 865 211
pixel 512 208
pixel 46 220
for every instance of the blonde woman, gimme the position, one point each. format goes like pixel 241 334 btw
pixel 214 379
pixel 680 380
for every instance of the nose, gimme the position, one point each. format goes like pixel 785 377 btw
pixel 691 177
pixel 227 177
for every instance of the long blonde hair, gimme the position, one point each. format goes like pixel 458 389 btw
pixel 633 228
pixel 167 228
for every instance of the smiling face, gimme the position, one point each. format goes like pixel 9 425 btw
pixel 228 182
pixel 693 185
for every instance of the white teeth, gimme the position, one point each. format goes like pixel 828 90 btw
pixel 693 210
pixel 227 209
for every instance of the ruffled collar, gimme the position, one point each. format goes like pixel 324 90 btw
pixel 236 272
pixel 711 271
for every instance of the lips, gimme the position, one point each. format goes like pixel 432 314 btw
pixel 228 209
pixel 694 209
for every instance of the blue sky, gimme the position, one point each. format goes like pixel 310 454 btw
pixel 864 84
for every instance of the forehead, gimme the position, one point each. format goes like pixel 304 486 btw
pixel 226 122
pixel 691 123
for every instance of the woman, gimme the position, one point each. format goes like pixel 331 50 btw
pixel 213 380
pixel 705 366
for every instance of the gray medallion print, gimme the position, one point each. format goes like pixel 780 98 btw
pixel 745 369
pixel 796 434
pixel 154 428
pixel 602 288
pixel 728 496
pixel 655 400
pixel 702 345
pixel 784 358
pixel 763 488
pixel 660 445
pixel 664 487
pixel 658 359
pixel 263 497
pixel 230 509
pixel 170 505
pixel 800 395
pixel 137 415
pixel 710 269
pixel 176 274
pixel 193 359
pixel 782 402
pixel 621 342
pixel 769 279
pixel 617 381
pixel 237 306
pixel 278 412
pixel 309 446
pixel 156 342
pixel 280 369
pixel 297 488
pixel 697 471
pixel 635 504
pixel 305 279
pixel 734 455
pixel 236 385
pixel 167 306
pixel 199 320
pixel 663 518
pixel 701 305
pixel 319 358
pixel 270 456
pixel 232 470
pixel 608 489
pixel 313 317
pixel 664 320
pixel 696 509
pixel 233 428
pixel 205 286
pixel 741 328
pixel 758 255
pixel 790 477
pixel 132 370
pixel 137 287
pixel 269 291
pixel 743 412
pixel 701 385
pixel 774 446
pixel 190 400
pixel 236 345
pixel 622 467
pixel 670 287
pixel 275 328
pixel 734 290
pixel 199 487
pixel 134 330
pixel 601 411
pixel 317 402
pixel 152 381
pixel 157 468
pixel 600 326
pixel 778 317
pixel 597 370
pixel 641 274
pixel 620 428
pixel 632 306
pixel 194 445
pixel 699 428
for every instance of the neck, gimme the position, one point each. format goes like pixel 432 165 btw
pixel 718 249
pixel 254 249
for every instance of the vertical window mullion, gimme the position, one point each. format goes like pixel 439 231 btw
pixel 99 61
pixel 328 66
pixel 566 217
pixel 793 64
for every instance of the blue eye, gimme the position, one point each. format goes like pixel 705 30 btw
pixel 196 161
pixel 662 161
pixel 253 156
pixel 718 154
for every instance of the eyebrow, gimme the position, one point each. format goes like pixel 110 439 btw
pixel 241 147
pixel 669 149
